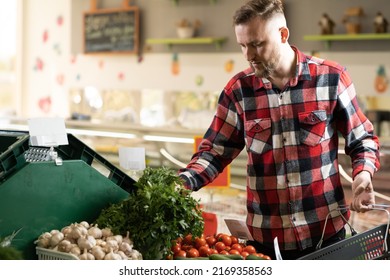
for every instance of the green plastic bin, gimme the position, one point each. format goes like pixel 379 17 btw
pixel 38 196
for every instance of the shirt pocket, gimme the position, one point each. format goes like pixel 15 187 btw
pixel 258 135
pixel 312 127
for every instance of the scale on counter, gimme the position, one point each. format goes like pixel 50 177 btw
pixel 45 134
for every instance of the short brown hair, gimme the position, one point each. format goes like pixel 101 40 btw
pixel 257 8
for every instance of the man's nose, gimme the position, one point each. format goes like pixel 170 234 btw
pixel 249 54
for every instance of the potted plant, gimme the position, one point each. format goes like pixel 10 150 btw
pixel 187 29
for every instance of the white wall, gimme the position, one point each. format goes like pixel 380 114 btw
pixel 63 70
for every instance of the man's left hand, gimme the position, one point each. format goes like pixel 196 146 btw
pixel 362 192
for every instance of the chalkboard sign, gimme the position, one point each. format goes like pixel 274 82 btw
pixel 111 31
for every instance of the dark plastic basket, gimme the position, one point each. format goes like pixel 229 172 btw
pixel 369 245
pixel 13 145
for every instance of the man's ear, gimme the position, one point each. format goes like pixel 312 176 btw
pixel 284 33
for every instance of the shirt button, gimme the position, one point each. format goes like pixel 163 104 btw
pixel 257 127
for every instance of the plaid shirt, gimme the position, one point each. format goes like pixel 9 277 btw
pixel 292 138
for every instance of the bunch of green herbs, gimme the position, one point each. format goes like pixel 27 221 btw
pixel 159 211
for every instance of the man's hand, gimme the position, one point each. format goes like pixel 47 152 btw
pixel 362 192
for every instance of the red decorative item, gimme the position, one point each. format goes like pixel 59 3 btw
pixel 60 79
pixel 45 104
pixel 45 36
pixel 38 64
pixel 60 20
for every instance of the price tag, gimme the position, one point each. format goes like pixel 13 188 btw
pixel 132 158
pixel 47 132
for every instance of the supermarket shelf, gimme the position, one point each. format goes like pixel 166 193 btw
pixel 176 2
pixel 328 39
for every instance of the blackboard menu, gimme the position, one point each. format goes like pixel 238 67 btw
pixel 111 31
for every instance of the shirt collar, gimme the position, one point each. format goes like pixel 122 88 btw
pixel 302 71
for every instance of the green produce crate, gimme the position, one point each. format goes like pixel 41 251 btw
pixel 37 195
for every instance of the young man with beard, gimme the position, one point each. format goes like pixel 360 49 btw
pixel 288 110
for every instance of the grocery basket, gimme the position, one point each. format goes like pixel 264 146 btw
pixel 47 254
pixel 369 245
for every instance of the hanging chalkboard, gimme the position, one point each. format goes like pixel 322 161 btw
pixel 111 31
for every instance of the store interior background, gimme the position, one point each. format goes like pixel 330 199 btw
pixel 141 100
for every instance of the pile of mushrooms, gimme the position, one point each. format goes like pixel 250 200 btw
pixel 89 242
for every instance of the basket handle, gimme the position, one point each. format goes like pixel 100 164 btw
pixel 353 232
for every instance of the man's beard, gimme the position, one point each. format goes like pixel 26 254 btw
pixel 267 69
pixel 264 72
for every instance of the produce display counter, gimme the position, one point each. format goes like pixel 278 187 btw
pixel 36 194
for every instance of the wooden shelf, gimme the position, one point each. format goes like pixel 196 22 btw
pixel 347 37
pixel 176 2
pixel 217 41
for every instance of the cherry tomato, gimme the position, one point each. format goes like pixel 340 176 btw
pixel 259 255
pixel 226 239
pixel 219 246
pixel 250 249
pixel 176 248
pixel 234 252
pixel 213 251
pixel 199 242
pixel 192 253
pixel 187 239
pixel 237 247
pixel 219 235
pixel 224 252
pixel 204 251
pixel 169 257
pixel 234 239
pixel 178 240
pixel 244 254
pixel 181 253
pixel 211 240
pixel 186 247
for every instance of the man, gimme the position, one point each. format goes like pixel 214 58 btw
pixel 287 110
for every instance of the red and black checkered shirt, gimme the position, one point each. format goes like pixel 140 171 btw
pixel 292 139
